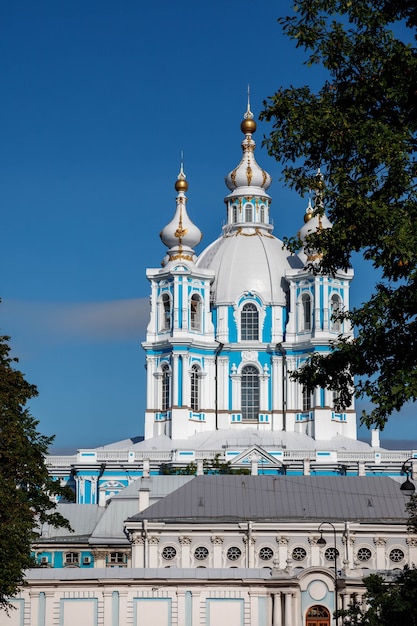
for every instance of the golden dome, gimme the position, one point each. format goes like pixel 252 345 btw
pixel 248 125
pixel 308 216
pixel 181 184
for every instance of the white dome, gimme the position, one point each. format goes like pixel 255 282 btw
pixel 248 259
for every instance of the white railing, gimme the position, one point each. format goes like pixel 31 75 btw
pixel 125 456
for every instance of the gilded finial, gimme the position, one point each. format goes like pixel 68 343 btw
pixel 181 184
pixel 248 125
pixel 309 212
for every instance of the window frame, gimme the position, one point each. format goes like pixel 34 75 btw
pixel 306 312
pixel 195 374
pixel 165 387
pixel 249 322
pixel 250 393
pixel 166 312
pixel 196 312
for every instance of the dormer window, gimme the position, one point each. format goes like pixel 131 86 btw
pixel 249 322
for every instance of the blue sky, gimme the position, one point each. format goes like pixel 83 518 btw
pixel 99 97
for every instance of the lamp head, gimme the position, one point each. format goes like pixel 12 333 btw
pixel 408 488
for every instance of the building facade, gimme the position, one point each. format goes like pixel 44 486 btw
pixel 226 327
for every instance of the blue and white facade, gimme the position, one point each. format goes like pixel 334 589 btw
pixel 228 325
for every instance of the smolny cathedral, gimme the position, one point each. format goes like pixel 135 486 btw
pixel 159 536
pixel 226 328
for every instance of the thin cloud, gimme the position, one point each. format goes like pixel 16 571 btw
pixel 85 322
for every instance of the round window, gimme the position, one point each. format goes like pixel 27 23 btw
pixel 266 554
pixel 201 553
pixel 169 552
pixel 396 555
pixel 234 553
pixel 364 554
pixel 331 553
pixel 299 554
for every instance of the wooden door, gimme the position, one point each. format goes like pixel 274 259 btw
pixel 318 616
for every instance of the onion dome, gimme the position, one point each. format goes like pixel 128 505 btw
pixel 180 235
pixel 248 174
pixel 247 257
pixel 313 223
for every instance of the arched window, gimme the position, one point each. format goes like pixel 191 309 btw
pixel 195 388
pixel 234 214
pixel 166 387
pixel 335 309
pixel 249 322
pixel 306 400
pixel 195 312
pixel 250 393
pixel 262 214
pixel 248 213
pixel 318 616
pixel 306 312
pixel 166 312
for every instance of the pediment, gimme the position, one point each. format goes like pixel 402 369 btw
pixel 255 453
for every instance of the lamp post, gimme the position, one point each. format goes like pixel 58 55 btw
pixel 408 487
pixel 322 542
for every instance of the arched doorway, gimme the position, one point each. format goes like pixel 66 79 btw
pixel 318 616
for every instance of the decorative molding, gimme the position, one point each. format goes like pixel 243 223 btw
pixel 216 540
pixel 411 542
pixel 153 541
pixel 281 541
pixel 184 540
pixel 380 541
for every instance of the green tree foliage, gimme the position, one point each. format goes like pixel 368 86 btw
pixel 387 604
pixel 411 508
pixel 215 466
pixel 360 127
pixel 26 490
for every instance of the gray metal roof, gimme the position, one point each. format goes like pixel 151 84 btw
pixel 82 518
pixel 232 498
pixel 159 486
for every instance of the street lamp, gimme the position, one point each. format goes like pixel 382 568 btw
pixel 408 487
pixel 322 542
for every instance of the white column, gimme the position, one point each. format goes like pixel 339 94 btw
pixel 288 619
pixel 217 550
pixel 138 551
pixel 185 543
pixel 277 614
pixel 380 543
pixel 153 551
pixel 175 379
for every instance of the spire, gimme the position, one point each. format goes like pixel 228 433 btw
pixel 248 174
pixel 180 235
